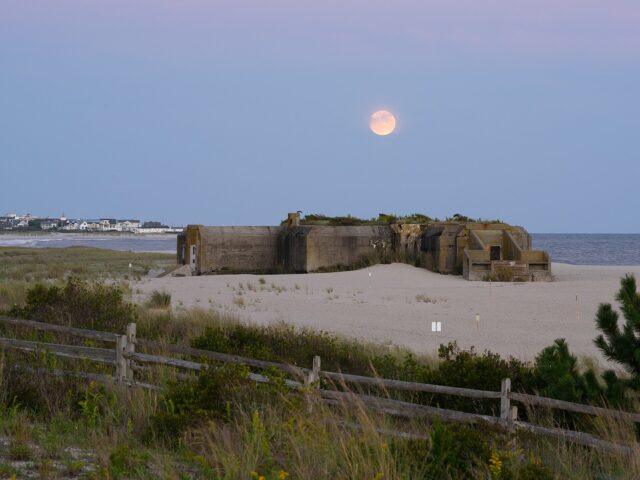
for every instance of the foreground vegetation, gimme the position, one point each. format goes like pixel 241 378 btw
pixel 222 425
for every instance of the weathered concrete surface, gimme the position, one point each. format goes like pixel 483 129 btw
pixel 316 247
pixel 407 238
pixel 235 249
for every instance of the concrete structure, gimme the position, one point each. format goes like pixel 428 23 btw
pixel 482 251
pixel 478 251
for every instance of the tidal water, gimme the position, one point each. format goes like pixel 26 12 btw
pixel 590 248
pixel 574 248
pixel 133 243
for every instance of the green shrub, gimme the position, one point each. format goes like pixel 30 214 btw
pixel 77 303
pixel 286 344
pixel 622 345
pixel 482 371
pixel 382 219
pixel 217 394
pixel 559 377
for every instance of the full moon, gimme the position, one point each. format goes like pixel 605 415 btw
pixel 382 122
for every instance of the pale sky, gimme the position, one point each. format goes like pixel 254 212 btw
pixel 236 112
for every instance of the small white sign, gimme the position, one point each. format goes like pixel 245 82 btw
pixel 436 326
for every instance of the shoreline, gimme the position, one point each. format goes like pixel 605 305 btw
pixel 81 234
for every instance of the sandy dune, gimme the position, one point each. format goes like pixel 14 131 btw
pixel 397 303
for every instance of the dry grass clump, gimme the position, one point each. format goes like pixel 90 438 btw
pixel 159 299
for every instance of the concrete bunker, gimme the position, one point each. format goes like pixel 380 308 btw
pixel 475 250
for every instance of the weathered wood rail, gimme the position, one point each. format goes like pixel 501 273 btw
pixel 125 359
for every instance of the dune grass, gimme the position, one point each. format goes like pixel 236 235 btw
pixel 20 268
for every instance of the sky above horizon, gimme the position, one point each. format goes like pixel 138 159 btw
pixel 237 112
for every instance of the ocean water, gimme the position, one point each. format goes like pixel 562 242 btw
pixel 577 249
pixel 134 243
pixel 589 248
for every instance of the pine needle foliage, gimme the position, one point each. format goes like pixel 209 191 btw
pixel 621 343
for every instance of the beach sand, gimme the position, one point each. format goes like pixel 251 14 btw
pixel 397 304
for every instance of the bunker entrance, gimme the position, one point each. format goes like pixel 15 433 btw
pixel 494 252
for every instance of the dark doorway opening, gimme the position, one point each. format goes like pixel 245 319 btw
pixel 494 252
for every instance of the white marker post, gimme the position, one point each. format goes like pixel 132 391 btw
pixel 477 322
pixel 369 279
pixel 435 328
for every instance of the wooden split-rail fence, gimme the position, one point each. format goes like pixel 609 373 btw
pixel 126 360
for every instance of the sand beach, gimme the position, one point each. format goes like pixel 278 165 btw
pixel 397 304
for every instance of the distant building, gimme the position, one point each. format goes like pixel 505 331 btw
pixel 49 223
pixel 153 224
pixel 28 221
pixel 127 225
pixel 7 223
pixel 108 224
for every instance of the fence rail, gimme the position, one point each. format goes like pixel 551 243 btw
pixel 408 386
pixel 78 332
pixel 103 355
pixel 535 400
pixel 126 361
pixel 224 357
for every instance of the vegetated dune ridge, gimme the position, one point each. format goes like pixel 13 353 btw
pixel 397 303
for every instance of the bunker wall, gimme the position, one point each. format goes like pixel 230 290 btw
pixel 328 247
pixel 238 249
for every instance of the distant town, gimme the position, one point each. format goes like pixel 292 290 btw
pixel 30 223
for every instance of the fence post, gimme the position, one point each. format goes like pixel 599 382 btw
pixel 121 362
pixel 514 414
pixel 313 377
pixel 505 403
pixel 130 348
pixel 314 374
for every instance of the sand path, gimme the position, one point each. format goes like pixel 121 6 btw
pixel 397 303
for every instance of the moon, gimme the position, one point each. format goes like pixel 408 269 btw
pixel 382 122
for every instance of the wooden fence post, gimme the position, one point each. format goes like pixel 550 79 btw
pixel 130 348
pixel 505 403
pixel 313 377
pixel 314 374
pixel 121 362
pixel 514 414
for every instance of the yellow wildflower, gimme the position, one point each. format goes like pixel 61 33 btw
pixel 495 464
pixel 282 475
